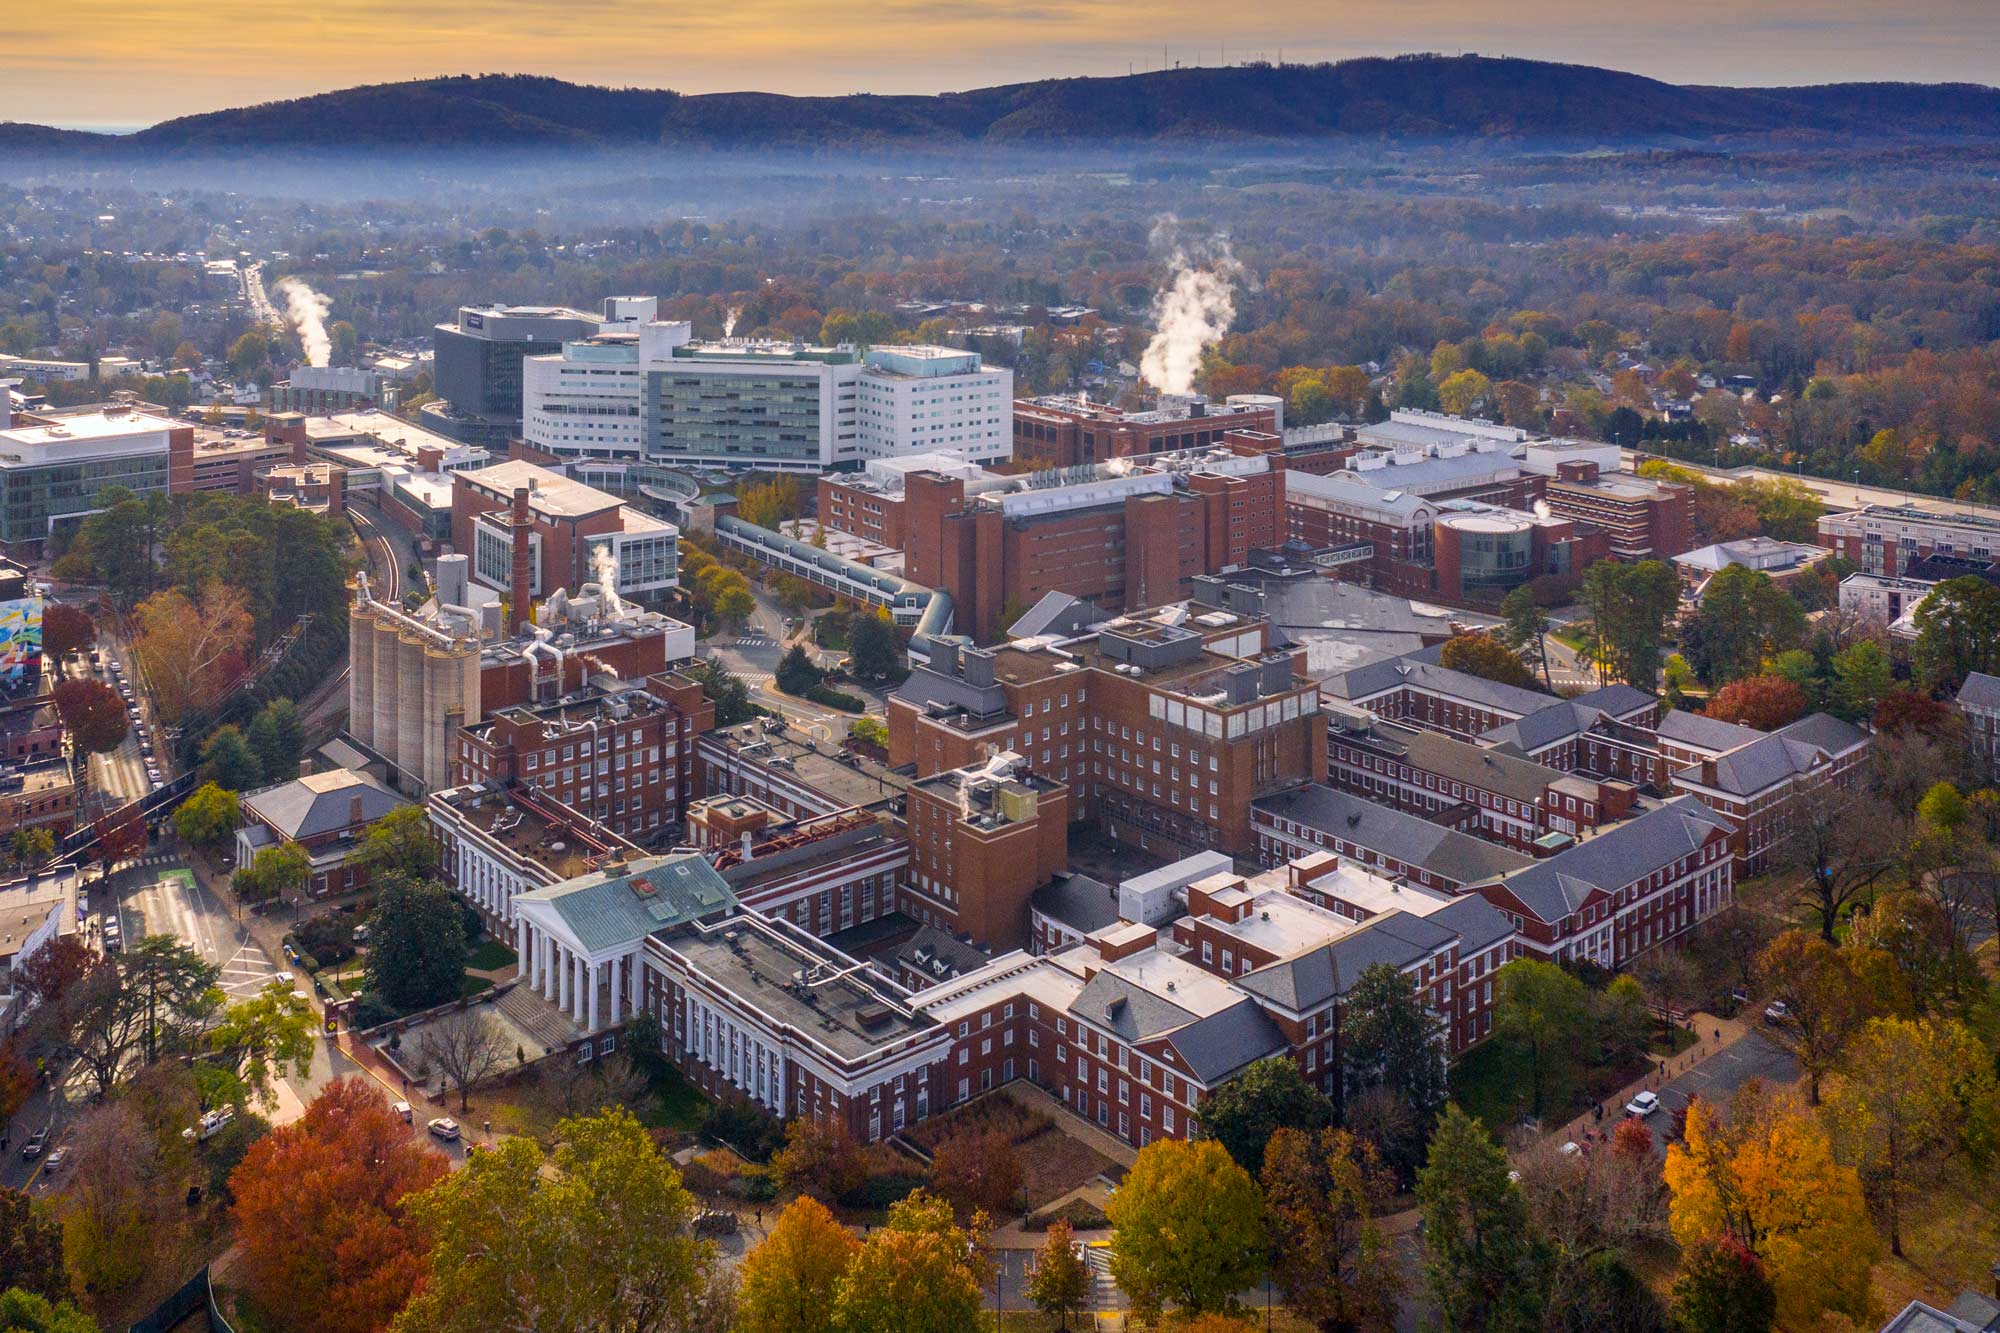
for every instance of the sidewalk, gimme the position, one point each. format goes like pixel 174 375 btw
pixel 1714 1035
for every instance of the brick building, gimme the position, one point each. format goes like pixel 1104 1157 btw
pixel 577 534
pixel 1163 732
pixel 1490 793
pixel 1642 520
pixel 318 488
pixel 982 841
pixel 1626 890
pixel 208 458
pixel 1888 539
pixel 326 815
pixel 1978 701
pixel 1117 536
pixel 1063 431
pixel 621 755
pixel 1753 787
pixel 1392 843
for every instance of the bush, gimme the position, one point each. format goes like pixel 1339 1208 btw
pixel 882 1191
pixel 327 937
pixel 305 962
pixel 744 1126
pixel 371 1010
pixel 832 698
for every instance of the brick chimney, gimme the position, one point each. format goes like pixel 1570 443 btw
pixel 519 600
pixel 354 812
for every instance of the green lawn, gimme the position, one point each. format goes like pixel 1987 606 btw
pixel 490 955
pixel 1494 1081
pixel 675 1103
pixel 471 985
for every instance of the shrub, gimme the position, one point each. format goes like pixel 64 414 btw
pixel 744 1126
pixel 846 703
pixel 371 1010
pixel 328 937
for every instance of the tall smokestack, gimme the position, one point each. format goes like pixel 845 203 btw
pixel 519 600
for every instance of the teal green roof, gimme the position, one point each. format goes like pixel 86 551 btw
pixel 612 910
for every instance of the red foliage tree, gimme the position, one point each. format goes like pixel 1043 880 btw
pixel 1632 1139
pixel 65 630
pixel 93 713
pixel 1763 702
pixel 1913 710
pixel 319 1211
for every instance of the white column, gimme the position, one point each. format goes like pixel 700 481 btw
pixel 562 976
pixel 548 964
pixel 521 948
pixel 591 971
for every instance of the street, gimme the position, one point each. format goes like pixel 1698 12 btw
pixel 120 776
pixel 1719 1076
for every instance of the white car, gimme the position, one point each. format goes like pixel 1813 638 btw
pixel 1778 1012
pixel 444 1127
pixel 1643 1104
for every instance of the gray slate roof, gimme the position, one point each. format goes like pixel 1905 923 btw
pixel 1826 731
pixel 608 911
pixel 1131 1011
pixel 323 803
pixel 1420 670
pixel 1079 902
pixel 1704 733
pixel 1781 755
pixel 1917 1317
pixel 1980 691
pixel 1219 1045
pixel 1512 776
pixel 1309 979
pixel 1554 888
pixel 1394 833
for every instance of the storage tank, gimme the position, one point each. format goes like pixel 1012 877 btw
pixel 410 701
pixel 385 684
pixel 361 672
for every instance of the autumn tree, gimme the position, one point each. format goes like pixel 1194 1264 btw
pixel 274 873
pixel 209 817
pixel 1721 1288
pixel 1862 678
pixel 819 1159
pixel 1481 1264
pixel 977 1172
pixel 192 648
pixel 1629 608
pixel 597 1235
pixel 1270 1095
pixel 1480 654
pixel 322 1212
pixel 1463 391
pixel 121 1207
pixel 258 1040
pixel 1825 1003
pixel 788 1282
pixel 1764 703
pixel 1543 1007
pixel 1060 1283
pixel 1328 1255
pixel 873 646
pixel 66 630
pixel 920 1272
pixel 1769 1181
pixel 1910 1096
pixel 401 845
pixel 1189 1228
pixel 92 713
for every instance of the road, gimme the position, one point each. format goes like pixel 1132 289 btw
pixel 1834 494
pixel 1719 1076
pixel 260 302
pixel 120 776
pixel 752 656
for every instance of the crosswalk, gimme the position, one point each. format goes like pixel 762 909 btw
pixel 157 859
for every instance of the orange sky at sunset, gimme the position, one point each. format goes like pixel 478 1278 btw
pixel 129 62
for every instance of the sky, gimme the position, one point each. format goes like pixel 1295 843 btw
pixel 132 62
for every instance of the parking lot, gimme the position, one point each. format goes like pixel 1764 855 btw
pixel 1719 1076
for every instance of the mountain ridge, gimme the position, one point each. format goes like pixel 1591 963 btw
pixel 1409 97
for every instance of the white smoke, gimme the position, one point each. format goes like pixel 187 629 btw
pixel 729 321
pixel 605 562
pixel 1192 313
pixel 307 310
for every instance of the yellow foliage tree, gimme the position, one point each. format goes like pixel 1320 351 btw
pixel 787 1284
pixel 1770 1181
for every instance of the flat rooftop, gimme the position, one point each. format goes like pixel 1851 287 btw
pixel 536 828
pixel 830 999
pixel 844 778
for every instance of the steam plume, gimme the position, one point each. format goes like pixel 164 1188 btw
pixel 729 321
pixel 605 564
pixel 307 310
pixel 1191 313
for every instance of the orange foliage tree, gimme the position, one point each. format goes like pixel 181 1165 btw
pixel 319 1210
